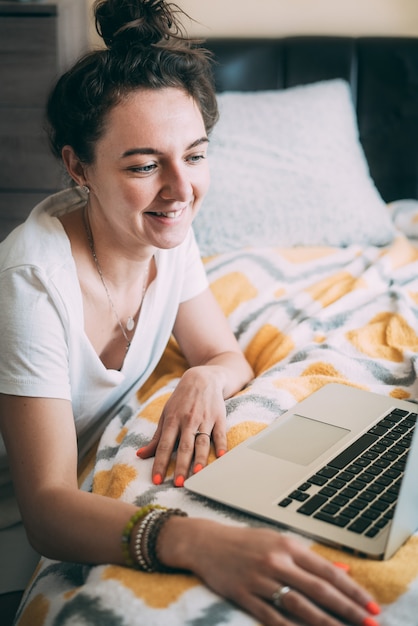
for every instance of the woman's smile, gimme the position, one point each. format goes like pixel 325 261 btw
pixel 171 215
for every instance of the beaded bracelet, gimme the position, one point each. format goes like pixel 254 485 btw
pixel 146 539
pixel 154 533
pixel 127 531
pixel 141 539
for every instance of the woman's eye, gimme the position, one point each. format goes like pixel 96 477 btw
pixel 143 169
pixel 195 158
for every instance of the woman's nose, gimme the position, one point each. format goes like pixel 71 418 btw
pixel 176 185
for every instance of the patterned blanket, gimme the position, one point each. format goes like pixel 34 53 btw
pixel 304 317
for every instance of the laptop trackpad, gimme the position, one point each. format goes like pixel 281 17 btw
pixel 299 440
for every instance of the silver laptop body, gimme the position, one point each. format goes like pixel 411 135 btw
pixel 258 475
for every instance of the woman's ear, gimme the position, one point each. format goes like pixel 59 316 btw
pixel 74 166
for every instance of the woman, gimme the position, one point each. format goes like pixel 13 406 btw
pixel 96 280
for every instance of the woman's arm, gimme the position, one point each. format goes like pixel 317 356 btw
pixel 61 521
pixel 241 564
pixel 205 338
pixel 218 370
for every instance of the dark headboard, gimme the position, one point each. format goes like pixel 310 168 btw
pixel 382 72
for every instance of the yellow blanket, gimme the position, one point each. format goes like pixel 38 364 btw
pixel 304 317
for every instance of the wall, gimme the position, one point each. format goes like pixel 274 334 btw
pixel 269 18
pixel 276 17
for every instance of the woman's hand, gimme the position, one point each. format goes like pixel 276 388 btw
pixel 193 416
pixel 218 370
pixel 249 566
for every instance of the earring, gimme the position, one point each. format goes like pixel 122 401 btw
pixel 85 189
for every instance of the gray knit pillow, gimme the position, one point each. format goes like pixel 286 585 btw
pixel 287 168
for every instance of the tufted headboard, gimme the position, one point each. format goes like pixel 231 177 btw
pixel 382 72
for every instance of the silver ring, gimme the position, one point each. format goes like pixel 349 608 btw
pixel 199 432
pixel 278 595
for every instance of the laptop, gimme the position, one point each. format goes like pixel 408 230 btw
pixel 339 467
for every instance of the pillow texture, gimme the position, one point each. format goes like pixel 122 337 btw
pixel 287 169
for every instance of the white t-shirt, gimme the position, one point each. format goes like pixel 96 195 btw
pixel 44 351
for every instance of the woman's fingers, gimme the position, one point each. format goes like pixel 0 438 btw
pixel 196 458
pixel 337 577
pixel 219 436
pixel 185 453
pixel 203 437
pixel 265 613
pixel 297 608
pixel 202 444
pixel 192 446
pixel 161 446
pixel 192 450
pixel 150 448
pixel 327 608
pixel 315 591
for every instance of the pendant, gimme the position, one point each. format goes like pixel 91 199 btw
pixel 130 324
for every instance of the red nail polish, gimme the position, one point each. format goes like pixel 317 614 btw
pixel 221 453
pixel 343 566
pixel 179 481
pixel 138 452
pixel 369 621
pixel 157 479
pixel 197 468
pixel 373 608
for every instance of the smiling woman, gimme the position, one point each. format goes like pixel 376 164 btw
pixel 96 281
pixel 145 185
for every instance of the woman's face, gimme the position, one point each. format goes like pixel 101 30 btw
pixel 150 172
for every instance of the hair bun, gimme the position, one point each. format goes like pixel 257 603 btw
pixel 122 23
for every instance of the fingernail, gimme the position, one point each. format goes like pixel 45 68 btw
pixel 138 452
pixel 369 621
pixel 373 608
pixel 157 479
pixel 197 468
pixel 179 481
pixel 221 453
pixel 343 566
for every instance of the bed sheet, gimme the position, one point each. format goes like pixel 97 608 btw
pixel 304 317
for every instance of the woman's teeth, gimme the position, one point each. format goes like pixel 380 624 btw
pixel 170 214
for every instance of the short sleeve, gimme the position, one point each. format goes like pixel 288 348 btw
pixel 33 346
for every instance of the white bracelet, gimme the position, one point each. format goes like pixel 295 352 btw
pixel 138 549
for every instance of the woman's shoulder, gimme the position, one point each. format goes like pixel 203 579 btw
pixel 40 241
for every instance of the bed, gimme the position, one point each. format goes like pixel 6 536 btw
pixel 309 239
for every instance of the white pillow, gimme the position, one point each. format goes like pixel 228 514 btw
pixel 287 168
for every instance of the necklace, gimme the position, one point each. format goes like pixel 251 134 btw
pixel 130 324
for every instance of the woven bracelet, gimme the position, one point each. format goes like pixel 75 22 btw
pixel 127 531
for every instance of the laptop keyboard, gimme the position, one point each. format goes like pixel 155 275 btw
pixel 358 489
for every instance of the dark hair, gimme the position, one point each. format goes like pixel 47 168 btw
pixel 145 48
